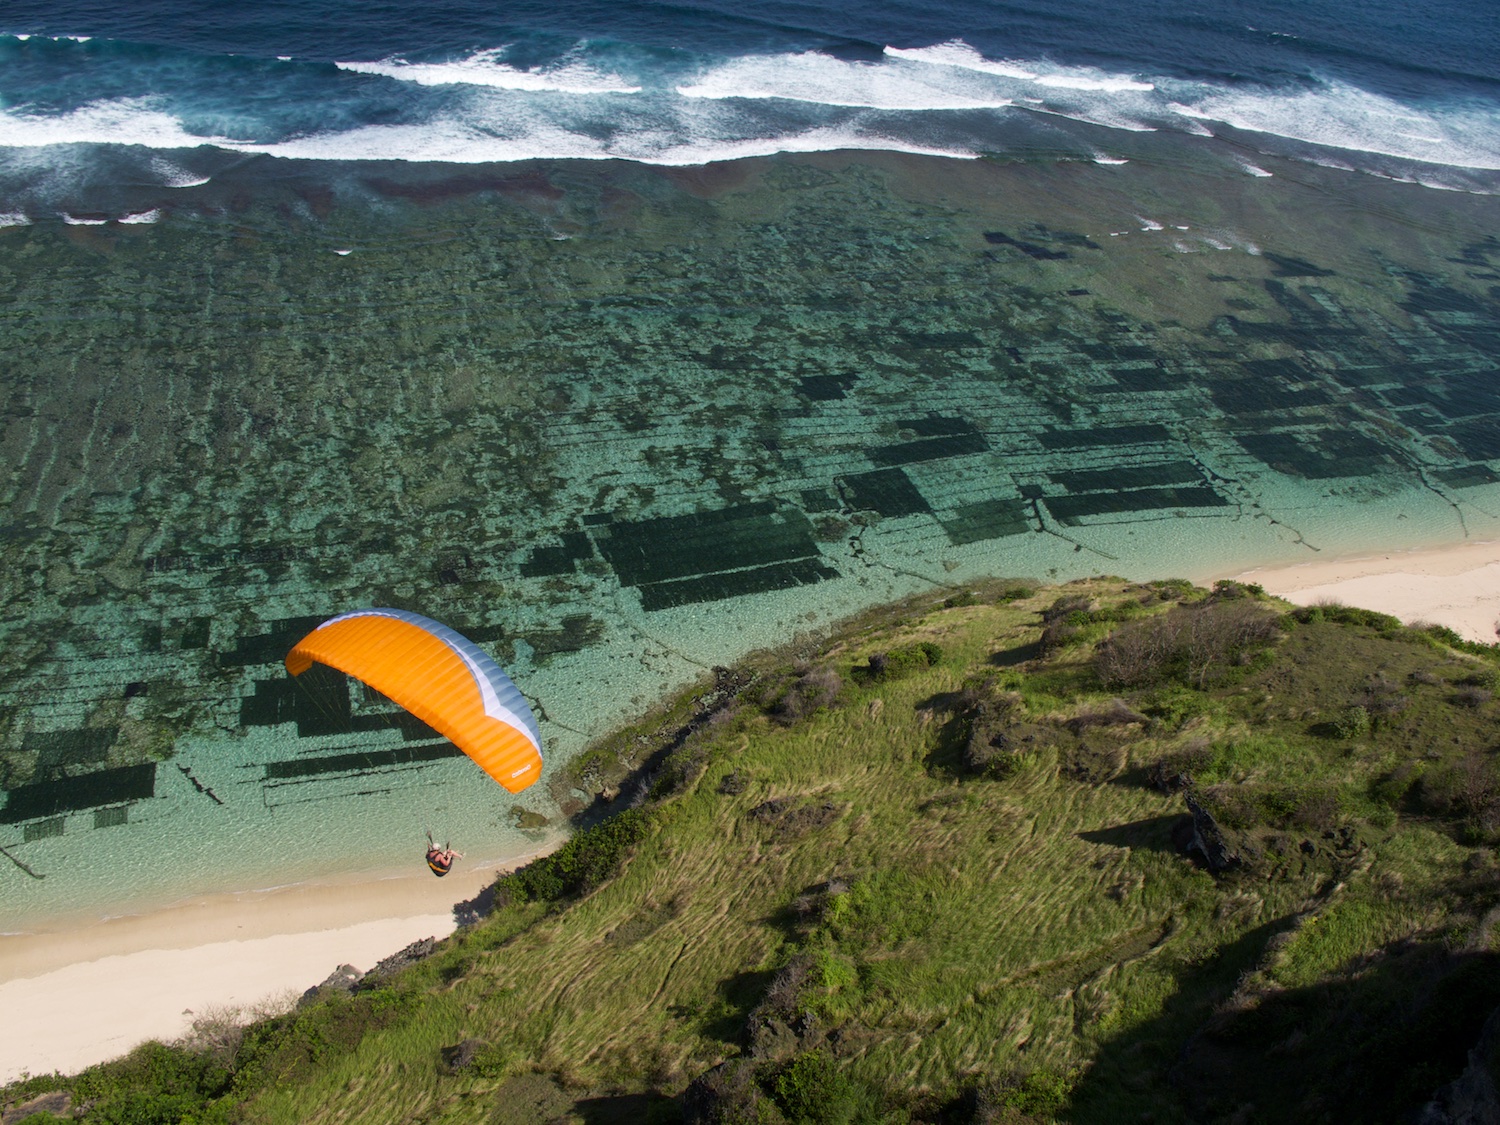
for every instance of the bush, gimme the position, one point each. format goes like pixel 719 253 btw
pixel 812 691
pixel 899 662
pixel 1228 588
pixel 811 1090
pixel 1194 644
pixel 1351 722
pixel 585 861
pixel 1382 623
pixel 153 1084
pixel 1039 1095
pixel 1446 636
pixel 1471 697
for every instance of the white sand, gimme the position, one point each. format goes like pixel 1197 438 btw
pixel 82 990
pixel 1457 586
pixel 73 1017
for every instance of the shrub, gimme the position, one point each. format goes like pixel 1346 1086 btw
pixel 1446 636
pixel 153 1084
pixel 1040 1095
pixel 1351 722
pixel 1067 606
pixel 1228 588
pixel 815 689
pixel 1194 644
pixel 811 1089
pixel 1471 697
pixel 1393 788
pixel 581 864
pixel 1382 623
pixel 1486 678
pixel 899 662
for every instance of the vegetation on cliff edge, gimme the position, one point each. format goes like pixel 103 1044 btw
pixel 1100 853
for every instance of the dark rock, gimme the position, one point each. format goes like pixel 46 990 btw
pixel 1472 1098
pixel 56 1102
pixel 790 820
pixel 730 1092
pixel 768 812
pixel 342 979
pixel 416 951
pixel 460 1055
pixel 1167 778
pixel 997 749
pixel 1209 839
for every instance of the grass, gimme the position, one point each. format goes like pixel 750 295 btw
pixel 858 915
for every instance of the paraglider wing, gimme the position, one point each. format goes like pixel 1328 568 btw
pixel 441 677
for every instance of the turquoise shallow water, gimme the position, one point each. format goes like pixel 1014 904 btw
pixel 620 424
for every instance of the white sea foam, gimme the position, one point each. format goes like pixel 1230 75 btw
pixel 127 121
pixel 813 140
pixel 957 53
pixel 174 176
pixel 485 68
pixel 824 80
pixel 1112 84
pixel 150 216
pixel 945 98
pixel 1339 115
pixel 13 219
pixel 461 144
pixel 82 220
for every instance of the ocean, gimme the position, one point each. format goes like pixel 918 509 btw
pixel 627 338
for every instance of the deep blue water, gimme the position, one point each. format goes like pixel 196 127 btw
pixel 163 92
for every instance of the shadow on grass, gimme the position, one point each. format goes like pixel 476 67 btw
pixel 740 993
pixel 1020 654
pixel 1373 1046
pixel 946 758
pixel 626 1109
pixel 1155 833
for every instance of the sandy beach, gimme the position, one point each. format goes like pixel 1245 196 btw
pixel 1457 585
pixel 77 992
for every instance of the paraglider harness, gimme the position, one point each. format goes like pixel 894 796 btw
pixel 440 860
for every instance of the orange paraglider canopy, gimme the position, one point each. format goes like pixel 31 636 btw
pixel 441 677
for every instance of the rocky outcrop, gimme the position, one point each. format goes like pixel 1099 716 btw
pixel 56 1103
pixel 460 1055
pixel 1472 1098
pixel 730 1092
pixel 1210 840
pixel 416 951
pixel 343 979
pixel 347 979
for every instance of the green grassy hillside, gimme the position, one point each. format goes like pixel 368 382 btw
pixel 1102 853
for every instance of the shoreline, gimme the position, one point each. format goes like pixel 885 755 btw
pixel 1457 585
pixel 80 992
pixel 76 995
